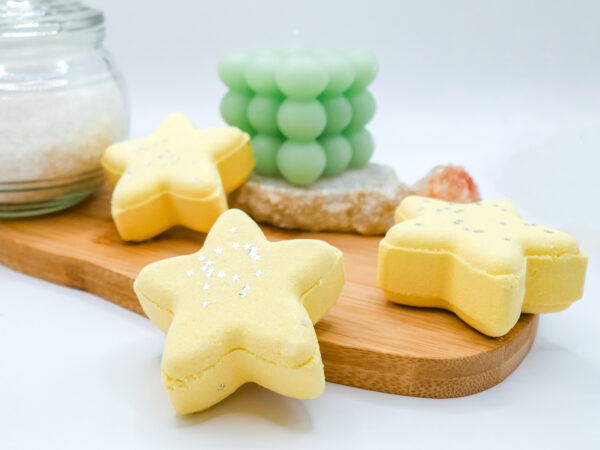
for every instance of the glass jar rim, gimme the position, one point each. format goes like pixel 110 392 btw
pixel 24 19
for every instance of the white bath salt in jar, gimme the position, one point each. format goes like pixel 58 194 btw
pixel 62 103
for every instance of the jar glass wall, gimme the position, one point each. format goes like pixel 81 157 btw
pixel 62 103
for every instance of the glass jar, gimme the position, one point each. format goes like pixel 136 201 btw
pixel 62 103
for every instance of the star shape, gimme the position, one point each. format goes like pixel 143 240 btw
pixel 253 326
pixel 177 176
pixel 479 260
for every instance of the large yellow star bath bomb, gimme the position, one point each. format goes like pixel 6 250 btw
pixel 479 260
pixel 241 309
pixel 177 176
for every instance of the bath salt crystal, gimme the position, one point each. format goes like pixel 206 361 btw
pixel 449 183
pixel 57 133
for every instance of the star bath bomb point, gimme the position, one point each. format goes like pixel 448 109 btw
pixel 177 176
pixel 479 260
pixel 241 310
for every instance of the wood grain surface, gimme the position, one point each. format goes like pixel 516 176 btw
pixel 365 340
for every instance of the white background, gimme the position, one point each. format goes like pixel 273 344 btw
pixel 510 90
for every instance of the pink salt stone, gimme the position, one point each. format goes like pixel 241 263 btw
pixel 449 183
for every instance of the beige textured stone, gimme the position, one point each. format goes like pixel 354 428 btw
pixel 362 201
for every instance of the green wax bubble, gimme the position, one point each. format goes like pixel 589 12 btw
pixel 260 73
pixel 363 109
pixel 265 150
pixel 231 69
pixel 339 113
pixel 262 114
pixel 302 120
pixel 362 147
pixel 341 73
pixel 338 153
pixel 323 52
pixel 366 67
pixel 234 107
pixel 294 49
pixel 301 163
pixel 302 77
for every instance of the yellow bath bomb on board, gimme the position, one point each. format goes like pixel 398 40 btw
pixel 241 310
pixel 177 176
pixel 479 260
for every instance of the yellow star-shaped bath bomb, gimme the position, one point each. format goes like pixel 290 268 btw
pixel 241 309
pixel 479 260
pixel 177 176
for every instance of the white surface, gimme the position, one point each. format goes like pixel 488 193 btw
pixel 509 89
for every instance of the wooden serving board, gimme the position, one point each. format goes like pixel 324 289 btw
pixel 365 340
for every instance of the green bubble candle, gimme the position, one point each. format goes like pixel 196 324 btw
pixel 306 109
